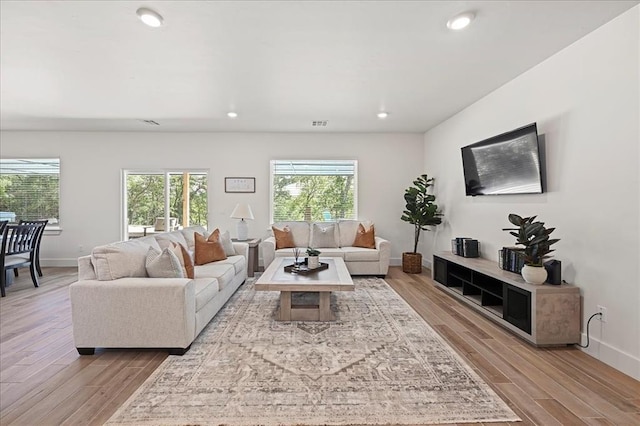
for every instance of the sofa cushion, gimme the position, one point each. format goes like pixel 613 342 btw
pixel 225 239
pixel 324 235
pixel 365 238
pixel 239 263
pixel 208 250
pixel 188 232
pixel 359 254
pixel 331 252
pixel 165 239
pixel 122 259
pixel 299 230
pixel 223 272
pixel 284 237
pixel 206 289
pixel 165 263
pixel 348 229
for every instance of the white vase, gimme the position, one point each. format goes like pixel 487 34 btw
pixel 534 274
pixel 313 262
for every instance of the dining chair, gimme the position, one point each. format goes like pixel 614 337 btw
pixel 3 224
pixel 43 224
pixel 18 250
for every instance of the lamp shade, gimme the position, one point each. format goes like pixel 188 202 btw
pixel 242 211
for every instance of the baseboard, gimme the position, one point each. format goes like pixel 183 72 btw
pixel 614 357
pixel 60 263
pixel 397 261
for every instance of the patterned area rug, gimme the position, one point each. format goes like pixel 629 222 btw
pixel 379 363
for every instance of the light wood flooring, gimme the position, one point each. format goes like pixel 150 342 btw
pixel 43 380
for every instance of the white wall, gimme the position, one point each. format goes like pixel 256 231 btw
pixel 585 100
pixel 91 164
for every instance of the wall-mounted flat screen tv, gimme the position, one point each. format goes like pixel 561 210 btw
pixel 504 164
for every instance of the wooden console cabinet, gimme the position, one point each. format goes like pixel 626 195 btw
pixel 544 315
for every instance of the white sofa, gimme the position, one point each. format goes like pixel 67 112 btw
pixel 359 261
pixel 114 304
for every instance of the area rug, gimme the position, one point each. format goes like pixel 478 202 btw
pixel 378 363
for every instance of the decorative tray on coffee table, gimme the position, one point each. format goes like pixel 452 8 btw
pixel 303 269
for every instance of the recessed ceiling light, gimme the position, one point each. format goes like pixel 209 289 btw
pixel 232 114
pixel 460 21
pixel 150 17
pixel 383 114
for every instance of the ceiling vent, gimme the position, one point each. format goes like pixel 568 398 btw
pixel 319 123
pixel 151 122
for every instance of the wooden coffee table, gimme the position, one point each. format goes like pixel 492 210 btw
pixel 335 278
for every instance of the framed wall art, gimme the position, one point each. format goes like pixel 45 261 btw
pixel 239 184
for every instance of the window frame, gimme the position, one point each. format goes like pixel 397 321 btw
pixel 124 228
pixel 272 169
pixel 52 227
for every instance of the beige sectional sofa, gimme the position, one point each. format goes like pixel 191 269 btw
pixel 333 239
pixel 115 304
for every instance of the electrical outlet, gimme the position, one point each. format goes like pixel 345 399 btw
pixel 80 248
pixel 603 313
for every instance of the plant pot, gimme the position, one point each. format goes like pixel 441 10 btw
pixel 313 262
pixel 411 263
pixel 534 274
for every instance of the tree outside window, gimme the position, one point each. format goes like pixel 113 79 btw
pixel 30 189
pixel 146 200
pixel 313 190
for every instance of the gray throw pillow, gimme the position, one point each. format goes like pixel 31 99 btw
pixel 164 264
pixel 323 236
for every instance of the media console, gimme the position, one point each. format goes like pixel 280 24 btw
pixel 544 315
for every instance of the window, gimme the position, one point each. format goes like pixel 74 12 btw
pixel 313 190
pixel 30 189
pixel 159 201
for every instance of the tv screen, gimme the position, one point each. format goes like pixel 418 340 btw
pixel 505 164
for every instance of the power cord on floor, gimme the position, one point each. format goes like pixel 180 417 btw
pixel 588 321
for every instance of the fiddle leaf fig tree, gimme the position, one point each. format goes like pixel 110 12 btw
pixel 420 209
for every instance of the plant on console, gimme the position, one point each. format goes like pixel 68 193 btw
pixel 534 237
pixel 537 245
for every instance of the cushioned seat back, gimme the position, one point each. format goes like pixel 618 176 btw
pixel 349 229
pixel 299 230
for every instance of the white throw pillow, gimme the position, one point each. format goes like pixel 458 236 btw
pixel 323 236
pixel 164 264
pixel 225 239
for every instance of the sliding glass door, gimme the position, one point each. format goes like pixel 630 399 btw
pixel 159 201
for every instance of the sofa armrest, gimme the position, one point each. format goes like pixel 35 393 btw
pixel 268 251
pixel 133 312
pixel 241 249
pixel 384 246
pixel 85 268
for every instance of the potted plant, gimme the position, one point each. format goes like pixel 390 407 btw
pixel 537 246
pixel 313 261
pixel 421 212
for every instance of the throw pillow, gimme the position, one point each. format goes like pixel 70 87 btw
pixel 284 238
pixel 185 259
pixel 164 264
pixel 225 239
pixel 323 236
pixel 208 250
pixel 364 238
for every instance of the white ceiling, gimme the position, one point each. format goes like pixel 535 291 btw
pixel 92 65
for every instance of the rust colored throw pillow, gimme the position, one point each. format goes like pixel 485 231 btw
pixel 284 237
pixel 185 259
pixel 364 238
pixel 208 250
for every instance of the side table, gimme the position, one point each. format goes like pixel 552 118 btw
pixel 253 254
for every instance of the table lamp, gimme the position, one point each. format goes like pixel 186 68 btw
pixel 242 212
